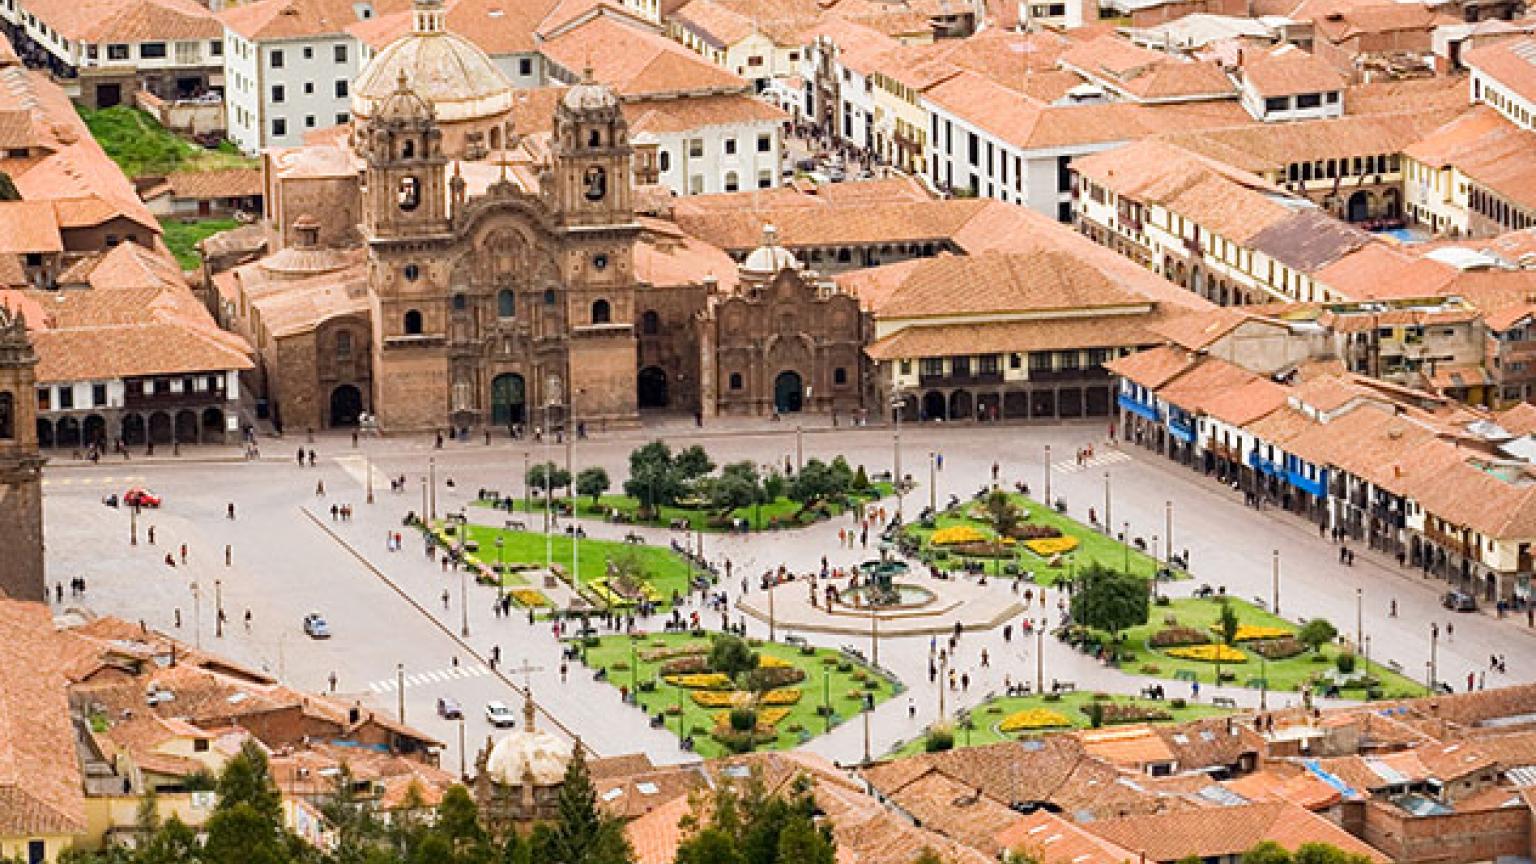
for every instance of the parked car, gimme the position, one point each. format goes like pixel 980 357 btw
pixel 1459 601
pixel 315 626
pixel 448 708
pixel 499 715
pixel 137 497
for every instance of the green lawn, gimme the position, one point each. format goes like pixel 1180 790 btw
pixel 182 238
pixel 829 677
pixel 663 569
pixel 984 719
pixel 1285 674
pixel 1093 545
pixel 779 513
pixel 141 146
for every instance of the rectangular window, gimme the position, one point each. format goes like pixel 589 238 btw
pixel 960 367
pixel 1276 103
pixel 309 53
pixel 99 395
pixel 764 143
pixel 339 53
pixel 696 148
pixel 730 146
pixel 216 48
pixel 279 93
pixel 117 52
pixel 275 59
pixel 931 367
pixel 66 397
pixel 1309 100
pixel 152 50
pixel 44 398
pixel 309 121
pixel 988 364
pixel 525 67
pixel 309 88
pixel 341 88
pixel 906 368
pixel 1040 361
pixel 279 126
pixel 1015 361
pixel 342 118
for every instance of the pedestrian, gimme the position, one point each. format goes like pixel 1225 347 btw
pixel 965 681
pixel 564 669
pixel 1194 691
pixel 178 617
pixel 183 553
pixel 1450 631
pixel 301 457
pixel 58 592
pixel 335 511
pixel 231 510
pixel 938 461
pixel 247 620
pixel 311 458
pixel 1471 679
pixel 229 554
pixel 445 598
pixel 911 708
pixel 319 488
pixel 984 663
pixel 995 469
pixel 1393 612
pixel 1007 632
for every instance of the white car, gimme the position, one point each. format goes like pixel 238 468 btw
pixel 499 715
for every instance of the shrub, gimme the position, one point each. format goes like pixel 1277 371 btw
pixel 844 666
pixel 743 719
pixel 1163 600
pixel 871 683
pixel 713 698
pixel 1130 712
pixel 829 660
pixel 1279 649
pixel 1052 697
pixel 1101 697
pixel 1150 669
pixel 1345 662
pixel 673 710
pixel 1170 637
pixel 939 739
pixel 1095 712
pixel 807 650
pixel 774 677
pixel 994 709
pixel 1033 531
pixel 690 665
pixel 859 675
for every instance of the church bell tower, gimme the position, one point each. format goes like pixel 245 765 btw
pixel 21 467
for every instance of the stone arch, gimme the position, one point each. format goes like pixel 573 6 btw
pixel 67 432
pixel 1359 207
pixel 934 406
pixel 960 405
pixel 412 322
pixel 651 387
pixel 602 311
pixel 906 405
pixel 788 392
pixel 508 399
pixel 346 405
pixel 213 426
pixel 160 428
pixel 650 323
pixel 94 430
pixel 506 303
pixel 132 429
pixel 186 427
pixel 44 433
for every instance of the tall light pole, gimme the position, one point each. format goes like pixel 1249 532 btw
pixel 933 483
pixel 1359 616
pixel 1109 520
pixel 1168 533
pixel 1274 581
pixel 197 615
pixel 1434 641
pixel 799 447
pixel 1048 476
pixel 432 483
pixel 133 525
pixel 463 588
pixel 400 688
pixel 1125 544
pixel 218 608
pixel 772 627
pixel 943 682
pixel 424 522
pixel 1040 651
pixel 874 636
pixel 527 489
pixel 501 567
pixel 898 403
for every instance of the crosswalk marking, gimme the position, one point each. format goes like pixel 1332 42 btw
pixel 91 481
pixel 1109 457
pixel 431 676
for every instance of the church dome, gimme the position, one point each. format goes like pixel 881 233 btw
pixel 770 257
pixel 448 72
pixel 589 95
pixel 523 752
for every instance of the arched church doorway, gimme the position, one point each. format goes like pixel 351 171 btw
pixel 652 387
pixel 788 392
pixel 508 399
pixel 346 405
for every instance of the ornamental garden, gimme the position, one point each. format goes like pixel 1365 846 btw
pixel 1011 534
pixel 684 490
pixel 731 695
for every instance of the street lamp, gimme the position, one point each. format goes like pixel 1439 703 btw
pixel 1263 683
pixel 400 688
pixel 1359 616
pixel 1274 581
pixel 432 483
pixel 218 608
pixel 133 525
pixel 1434 641
pixel 799 447
pixel 501 567
pixel 1048 476
pixel 197 615
pixel 527 489
pixel 463 586
pixel 1168 533
pixel 898 404
pixel 551 397
pixel 1040 650
pixel 1108 515
pixel 1125 544
pixel 424 522
pixel 874 637
pixel 933 484
pixel 943 682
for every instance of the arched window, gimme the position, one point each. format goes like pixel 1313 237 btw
pixel 594 138
pixel 650 322
pixel 460 302
pixel 343 343
pixel 839 375
pixel 602 313
pixel 549 297
pixel 7 415
pixel 408 195
pixel 413 322
pixel 735 380
pixel 506 303
pixel 412 272
pixel 409 150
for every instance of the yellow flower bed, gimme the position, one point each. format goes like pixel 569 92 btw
pixel 765 661
pixel 788 696
pixel 956 534
pixel 767 718
pixel 714 698
pixel 529 598
pixel 1250 632
pixel 1033 718
pixel 700 681
pixel 1046 546
pixel 1209 654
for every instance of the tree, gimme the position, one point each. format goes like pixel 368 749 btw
pixel 247 824
pixel 1108 600
pixel 1002 513
pixel 458 826
pixel 1317 633
pixel 801 842
pixel 1226 631
pixel 581 834
pixel 547 476
pixel 818 482
pixel 692 464
pixel 1326 853
pixel 592 482
pixel 737 486
pixel 928 856
pixel 1267 852
pixel 354 830
pixel 8 191
pixel 652 477
pixel 709 846
pixel 731 656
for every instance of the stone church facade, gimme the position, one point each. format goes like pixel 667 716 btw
pixel 22 574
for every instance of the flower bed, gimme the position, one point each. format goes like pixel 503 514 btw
pixel 666 653
pixel 1171 637
pixel 984 549
pixel 1252 632
pixel 701 681
pixel 774 677
pixel 955 535
pixel 692 664
pixel 767 718
pixel 714 698
pixel 768 661
pixel 1033 718
pixel 1209 654
pixel 787 696
pixel 1279 649
pixel 529 598
pixel 1033 531
pixel 1048 546
pixel 1129 712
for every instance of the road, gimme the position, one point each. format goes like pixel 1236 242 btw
pixel 386 610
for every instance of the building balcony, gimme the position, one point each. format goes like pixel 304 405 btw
pixel 1452 542
pixel 142 401
pixel 960 380
pixel 1092 373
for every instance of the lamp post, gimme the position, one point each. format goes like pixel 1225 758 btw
pixel 527 488
pixel 1040 652
pixel 772 628
pixel 1048 476
pixel 463 772
pixel 197 616
pixel 368 470
pixel 400 688
pixel 501 567
pixel 1274 581
pixel 1108 514
pixel 826 697
pixel 1125 544
pixel 218 608
pixel 1168 533
pixel 1359 616
pixel 1434 641
pixel 424 522
pixel 874 636
pixel 1263 683
pixel 898 403
pixel 869 708
pixel 943 682
pixel 133 525
pixel 799 447
pixel 432 484
pixel 463 586
pixel 933 484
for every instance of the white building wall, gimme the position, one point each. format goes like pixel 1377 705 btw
pixel 1518 109
pixel 695 162
pixel 242 93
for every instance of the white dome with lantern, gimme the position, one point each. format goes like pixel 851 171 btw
pixel 528 754
pixel 450 73
pixel 770 258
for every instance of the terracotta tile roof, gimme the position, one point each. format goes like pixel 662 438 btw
pixel 666 257
pixel 1224 391
pixel 699 112
pixel 1118 63
pixel 29 226
pixel 989 283
pixel 717 25
pixel 498 27
pixel 1270 147
pixel 1221 831
pixel 1029 124
pixel 40 780
pixel 1342 24
pixel 1196 331
pixel 1500 156
pixel 1381 271
pixel 1003 337
pixel 1154 367
pixel 654 837
pixel 1279 782
pixel 228 183
pixel 859 48
pixel 127 20
pixel 1440 93
pixel 1289 71
pixel 866 832
pixel 126 265
pixel 1518 419
pixel 1511 62
pixel 1050 839
pixel 637 62
pixel 1126 746
pixel 289 19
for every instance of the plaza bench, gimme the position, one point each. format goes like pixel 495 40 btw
pixel 516 525
pixel 1395 666
pixel 1256 684
pixel 797 641
pixel 1184 675
pixel 1064 686
pixel 1223 702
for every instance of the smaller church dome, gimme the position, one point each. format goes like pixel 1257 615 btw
pixel 523 753
pixel 770 257
pixel 590 96
pixel 444 70
pixel 403 104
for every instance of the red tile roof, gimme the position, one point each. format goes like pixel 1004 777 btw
pixel 40 780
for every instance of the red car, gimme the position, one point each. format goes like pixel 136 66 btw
pixel 137 497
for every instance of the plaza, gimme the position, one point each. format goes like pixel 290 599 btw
pixel 392 626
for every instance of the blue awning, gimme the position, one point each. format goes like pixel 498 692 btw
pixel 1182 432
pixel 1139 408
pixel 1262 465
pixel 1316 488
